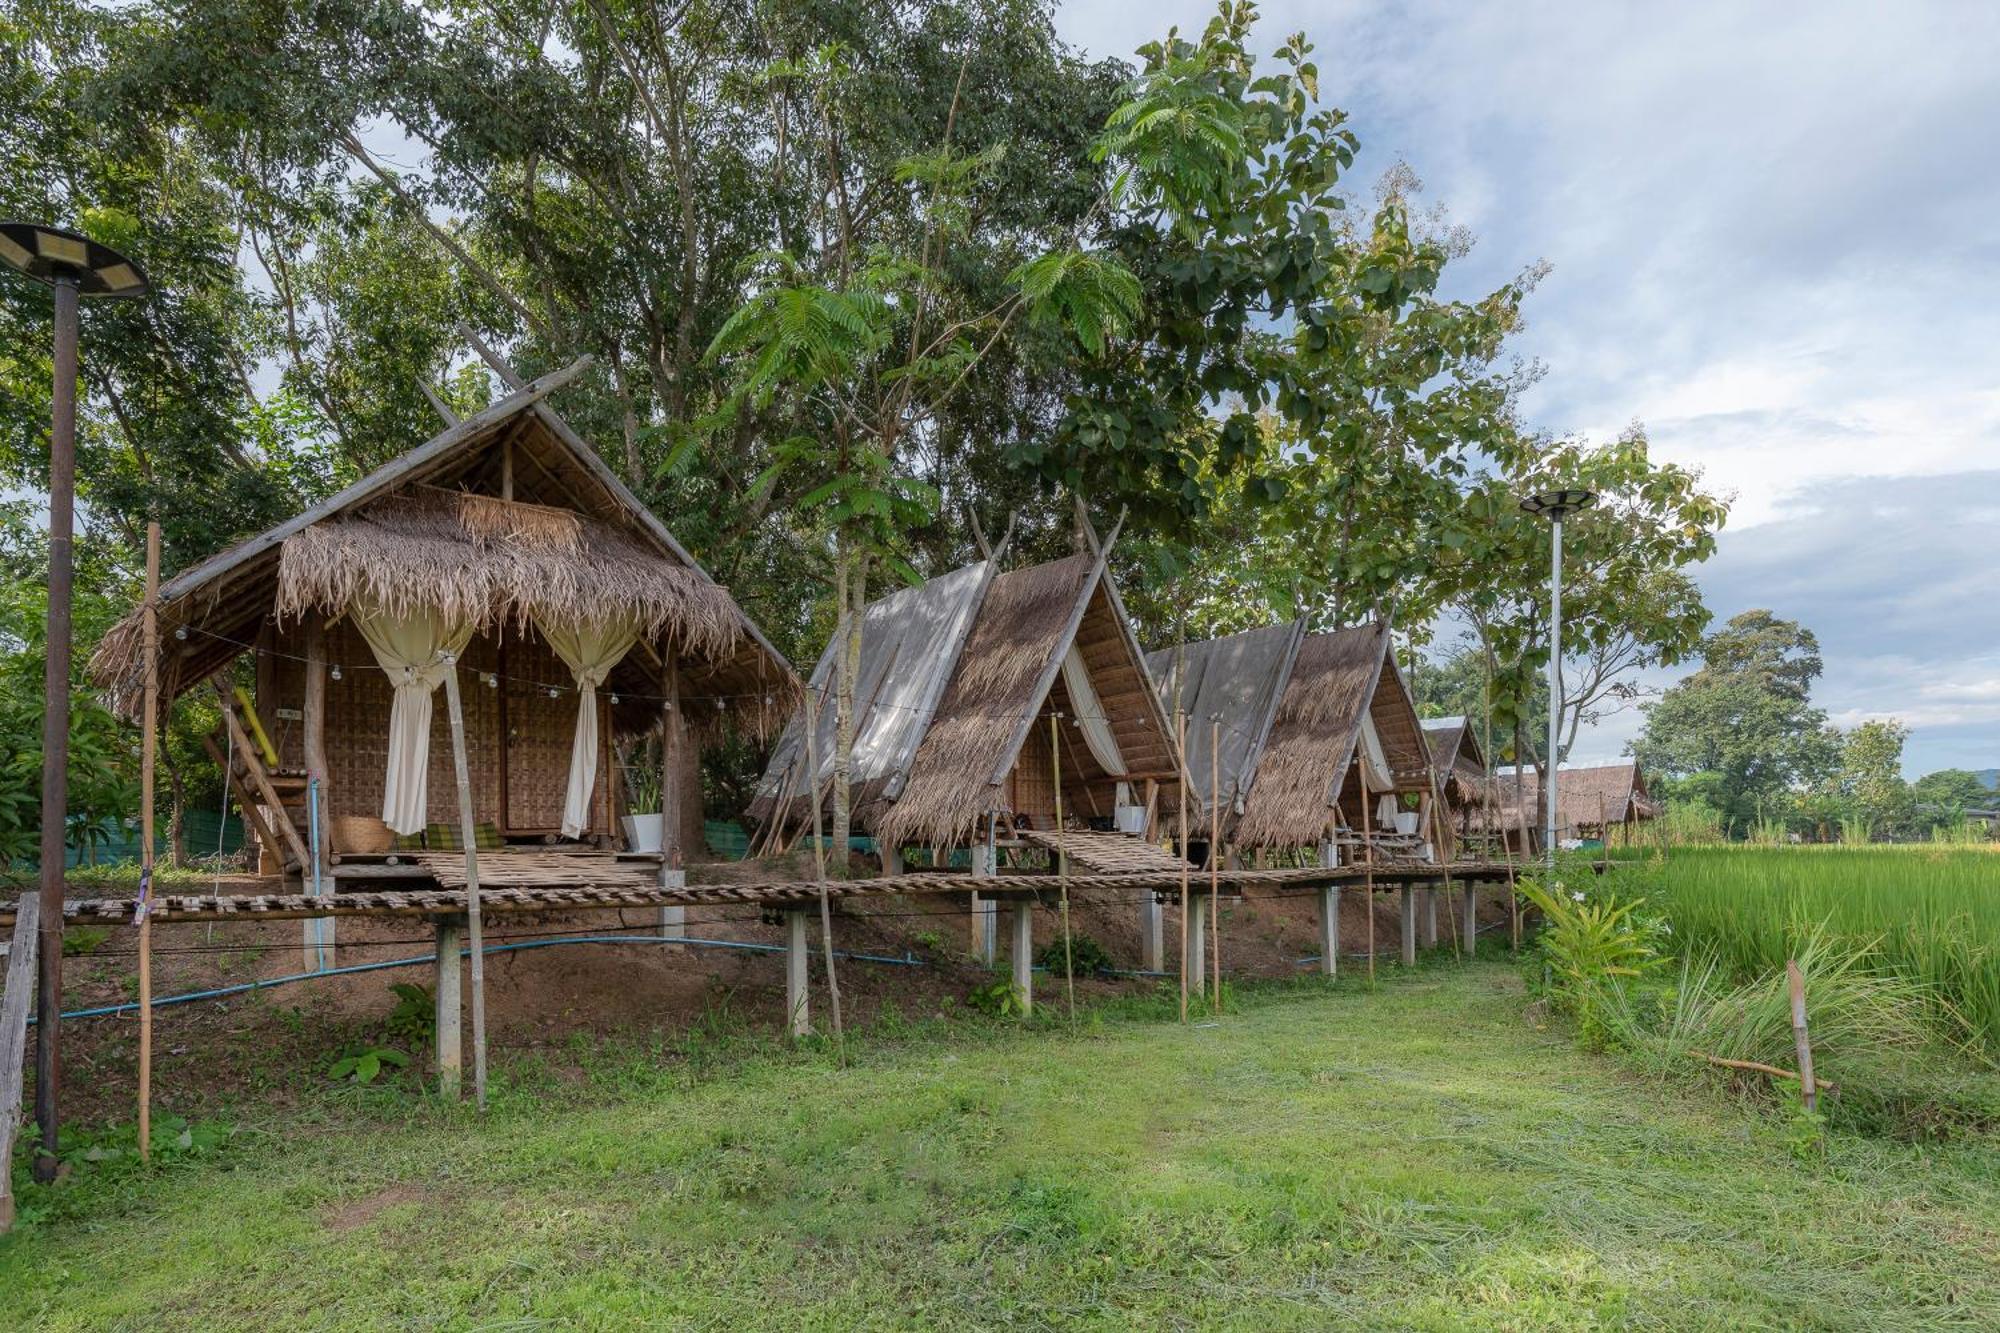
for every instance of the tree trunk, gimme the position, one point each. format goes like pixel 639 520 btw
pixel 847 633
pixel 687 767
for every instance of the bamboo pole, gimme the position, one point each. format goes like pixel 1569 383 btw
pixel 1215 858
pixel 1368 865
pixel 468 835
pixel 1796 980
pixel 1062 866
pixel 1180 750
pixel 819 872
pixel 149 742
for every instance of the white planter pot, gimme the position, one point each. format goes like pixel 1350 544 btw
pixel 644 833
pixel 1407 820
pixel 1131 818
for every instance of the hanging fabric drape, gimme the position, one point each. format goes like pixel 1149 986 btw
pixel 1374 759
pixel 411 650
pixel 1090 717
pixel 589 651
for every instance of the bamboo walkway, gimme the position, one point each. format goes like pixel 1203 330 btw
pixel 441 901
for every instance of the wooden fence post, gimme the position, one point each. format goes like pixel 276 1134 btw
pixel 1808 1088
pixel 467 827
pixel 14 996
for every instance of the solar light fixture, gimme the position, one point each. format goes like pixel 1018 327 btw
pixel 75 266
pixel 1554 506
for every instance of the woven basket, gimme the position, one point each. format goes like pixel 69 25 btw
pixel 361 833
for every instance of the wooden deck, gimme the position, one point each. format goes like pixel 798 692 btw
pixel 1104 853
pixel 439 901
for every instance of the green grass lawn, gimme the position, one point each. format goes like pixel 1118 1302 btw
pixel 1419 1156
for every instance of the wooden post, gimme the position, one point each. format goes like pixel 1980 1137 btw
pixel 673 736
pixel 1024 953
pixel 1197 950
pixel 797 954
pixel 892 858
pixel 1329 914
pixel 1152 913
pixel 149 733
pixel 1180 757
pixel 1808 1088
pixel 1062 865
pixel 985 911
pixel 14 998
pixel 819 871
pixel 1409 924
pixel 319 931
pixel 466 828
pixel 1428 917
pixel 1470 937
pixel 1215 857
pixel 448 1008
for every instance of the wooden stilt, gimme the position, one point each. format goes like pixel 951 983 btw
pixel 1215 858
pixel 149 731
pixel 819 872
pixel 986 912
pixel 1409 925
pixel 1427 917
pixel 1152 912
pixel 673 740
pixel 1197 947
pixel 1180 752
pixel 1368 864
pixel 1329 915
pixel 1470 936
pixel 797 954
pixel 15 994
pixel 1024 954
pixel 448 1007
pixel 1062 867
pixel 467 828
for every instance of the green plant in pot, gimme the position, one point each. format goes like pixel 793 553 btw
pixel 645 826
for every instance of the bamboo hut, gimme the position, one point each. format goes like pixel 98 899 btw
pixel 1603 802
pixel 1315 740
pixel 1460 764
pixel 502 550
pixel 959 679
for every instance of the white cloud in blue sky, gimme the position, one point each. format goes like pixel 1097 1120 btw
pixel 1772 238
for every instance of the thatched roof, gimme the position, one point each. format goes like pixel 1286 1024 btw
pixel 1586 798
pixel 910 641
pixel 1229 688
pixel 572 544
pixel 1457 759
pixel 954 674
pixel 1336 680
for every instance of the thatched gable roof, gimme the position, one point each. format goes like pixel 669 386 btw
pixel 1229 688
pixel 910 641
pixel 1586 798
pixel 1457 759
pixel 429 529
pixel 1336 680
pixel 954 674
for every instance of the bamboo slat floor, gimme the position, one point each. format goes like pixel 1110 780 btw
pixel 440 901
pixel 1104 853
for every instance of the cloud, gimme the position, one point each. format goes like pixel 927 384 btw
pixel 1770 231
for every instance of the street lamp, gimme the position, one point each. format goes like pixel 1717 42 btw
pixel 75 266
pixel 1554 505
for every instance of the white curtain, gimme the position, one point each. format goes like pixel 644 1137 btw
pixel 1090 714
pixel 411 650
pixel 1374 760
pixel 589 651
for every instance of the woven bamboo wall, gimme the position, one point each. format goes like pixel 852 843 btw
pixel 525 798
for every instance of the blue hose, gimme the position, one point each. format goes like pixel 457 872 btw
pixel 905 961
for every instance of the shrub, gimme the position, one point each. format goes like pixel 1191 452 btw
pixel 1086 956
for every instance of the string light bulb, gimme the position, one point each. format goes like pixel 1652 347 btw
pixel 554 693
pixel 334 671
pixel 181 632
pixel 614 701
pixel 492 680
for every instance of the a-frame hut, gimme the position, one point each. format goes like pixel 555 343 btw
pixel 959 680
pixel 503 550
pixel 1596 802
pixel 1319 739
pixel 1460 764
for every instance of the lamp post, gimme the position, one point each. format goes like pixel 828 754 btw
pixel 75 266
pixel 1554 505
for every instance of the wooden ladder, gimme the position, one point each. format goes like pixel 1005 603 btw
pixel 283 795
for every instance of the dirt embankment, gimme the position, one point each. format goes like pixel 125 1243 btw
pixel 265 1045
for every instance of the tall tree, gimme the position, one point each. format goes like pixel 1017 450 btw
pixel 1741 732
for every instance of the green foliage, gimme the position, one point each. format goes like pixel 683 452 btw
pixel 362 1067
pixel 1590 944
pixel 82 941
pixel 999 998
pixel 414 1013
pixel 1085 955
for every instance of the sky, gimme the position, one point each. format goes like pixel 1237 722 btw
pixel 1771 237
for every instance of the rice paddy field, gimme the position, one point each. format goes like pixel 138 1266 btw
pixel 1926 912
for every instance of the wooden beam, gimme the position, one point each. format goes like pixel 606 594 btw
pixel 14 996
pixel 246 799
pixel 318 933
